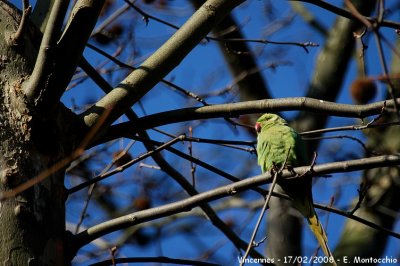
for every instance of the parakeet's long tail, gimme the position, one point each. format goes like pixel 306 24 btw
pixel 304 204
pixel 319 232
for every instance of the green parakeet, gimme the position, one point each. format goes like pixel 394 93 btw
pixel 278 143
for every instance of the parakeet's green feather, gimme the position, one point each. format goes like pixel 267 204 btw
pixel 278 143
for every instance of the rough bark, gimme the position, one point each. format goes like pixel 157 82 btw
pixel 33 222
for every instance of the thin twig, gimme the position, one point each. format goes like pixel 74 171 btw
pixel 348 128
pixel 375 28
pixel 85 206
pixel 233 144
pixel 17 39
pixel 123 167
pixel 262 212
pixel 303 45
pixel 244 75
pixel 385 71
pixel 192 165
pixel 264 208
pixel 362 192
pixel 93 186
pixel 147 16
pixel 362 47
pixel 166 82
pixel 197 161
pixel 344 137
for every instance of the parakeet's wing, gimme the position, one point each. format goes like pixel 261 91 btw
pixel 276 145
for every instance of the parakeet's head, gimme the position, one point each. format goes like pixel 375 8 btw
pixel 267 120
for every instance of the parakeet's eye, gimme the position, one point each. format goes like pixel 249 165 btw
pixel 257 127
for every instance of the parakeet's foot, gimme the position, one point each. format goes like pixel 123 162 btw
pixel 292 171
pixel 274 169
pixel 311 169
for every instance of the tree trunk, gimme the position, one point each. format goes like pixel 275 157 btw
pixel 32 227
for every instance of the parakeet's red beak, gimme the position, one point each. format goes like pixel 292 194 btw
pixel 257 127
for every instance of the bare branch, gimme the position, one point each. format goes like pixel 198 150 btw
pixel 249 107
pixel 110 226
pixel 47 52
pixel 41 13
pixel 59 57
pixel 161 62
pixel 17 39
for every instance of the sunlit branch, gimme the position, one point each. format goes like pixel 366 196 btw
pixel 17 39
pixel 161 62
pixel 110 19
pixel 185 205
pixel 41 13
pixel 147 16
pixel 250 107
pixel 47 50
pixel 357 15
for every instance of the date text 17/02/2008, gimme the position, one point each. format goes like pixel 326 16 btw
pixel 321 259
